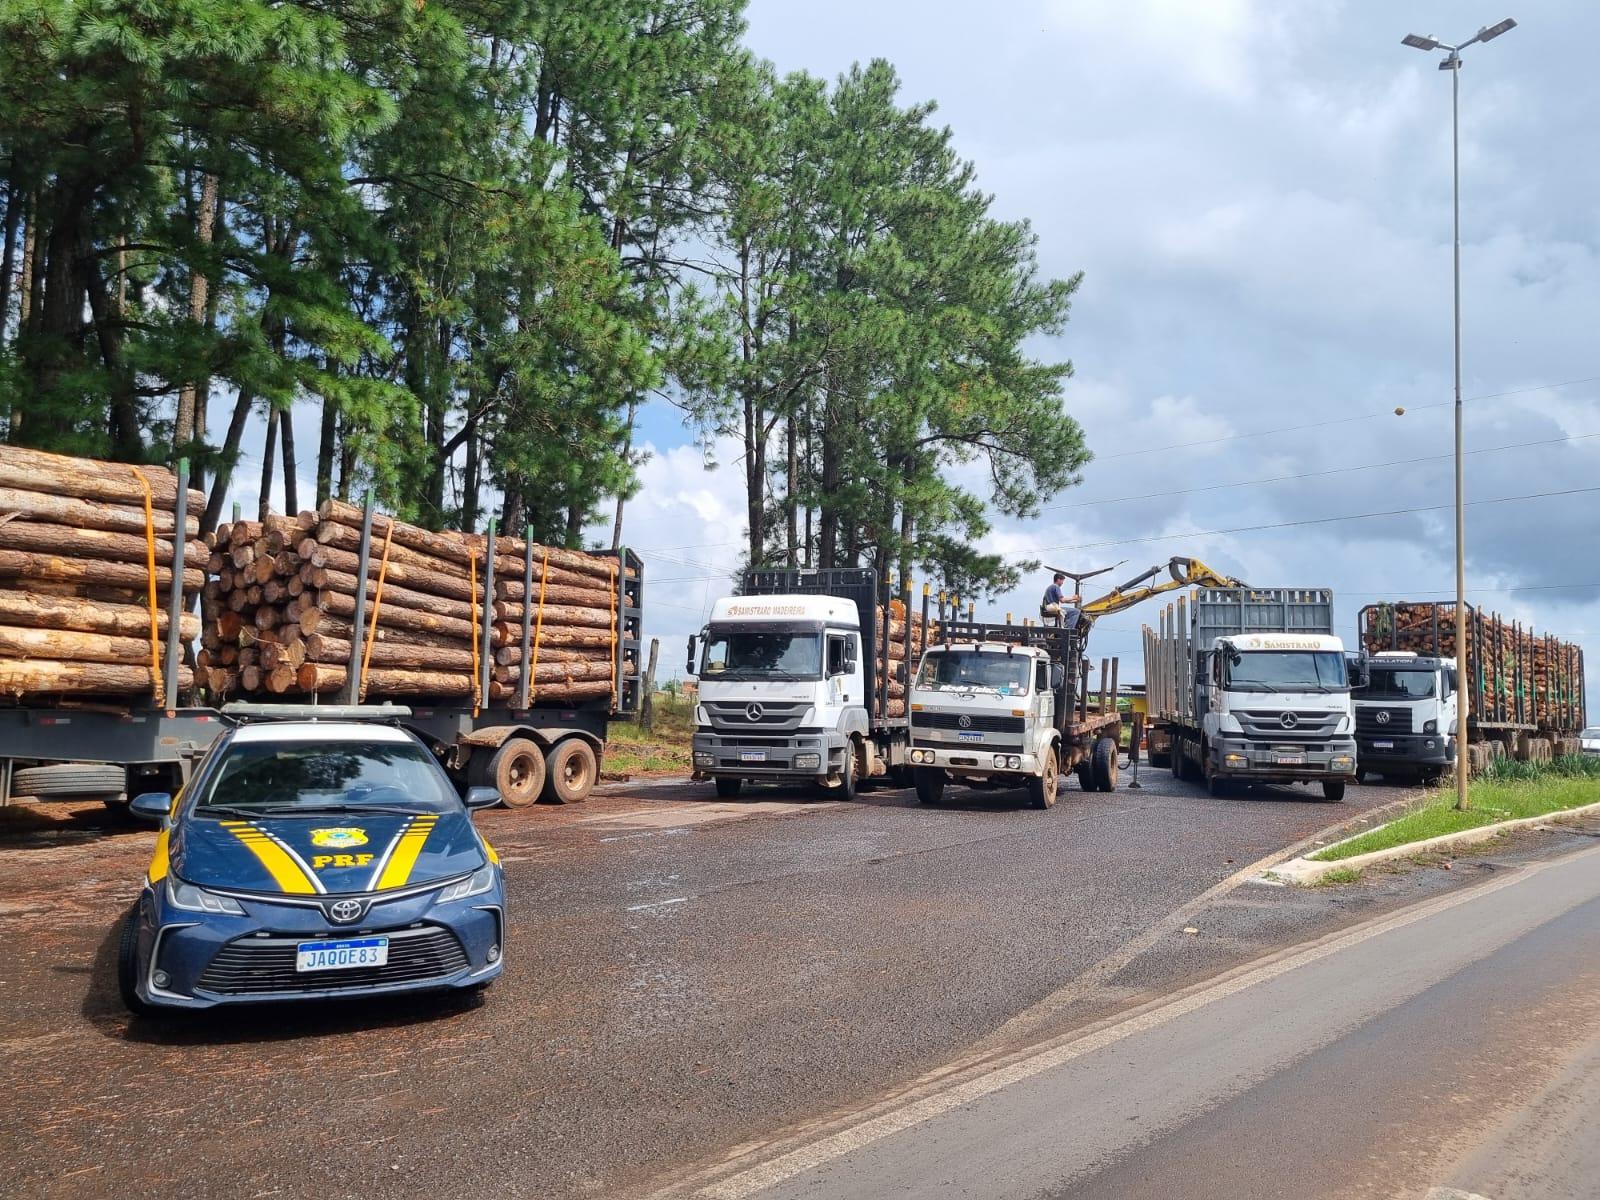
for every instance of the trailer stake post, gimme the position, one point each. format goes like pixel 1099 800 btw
pixel 175 604
pixel 358 621
pixel 486 665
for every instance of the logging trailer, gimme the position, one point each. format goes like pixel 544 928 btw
pixel 112 750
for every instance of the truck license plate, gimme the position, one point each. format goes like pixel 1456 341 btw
pixel 752 756
pixel 970 737
pixel 1383 745
pixel 1291 760
pixel 343 955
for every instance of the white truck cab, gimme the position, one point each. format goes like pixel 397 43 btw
pixel 1406 715
pixel 1275 708
pixel 782 692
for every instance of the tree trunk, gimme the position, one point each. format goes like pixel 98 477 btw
pixel 647 698
pixel 291 484
pixel 791 508
pixel 226 459
pixel 268 447
pixel 86 616
pixel 513 513
pixel 471 483
pixel 186 429
pixel 574 535
pixel 71 645
pixel 8 252
pixel 40 677
pixel 327 444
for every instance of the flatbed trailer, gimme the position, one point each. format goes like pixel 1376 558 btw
pixel 113 750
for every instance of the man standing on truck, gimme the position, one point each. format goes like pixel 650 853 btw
pixel 1054 608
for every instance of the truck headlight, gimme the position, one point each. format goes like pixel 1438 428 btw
pixel 700 717
pixel 1342 762
pixel 702 759
pixel 1228 723
pixel 812 761
pixel 197 899
pixel 1235 760
pixel 1000 761
pixel 1013 762
pixel 476 884
pixel 1430 726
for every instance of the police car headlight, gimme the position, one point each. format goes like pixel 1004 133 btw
pixel 196 899
pixel 476 884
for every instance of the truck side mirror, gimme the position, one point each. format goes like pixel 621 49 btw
pixel 689 667
pixel 900 672
pixel 1058 677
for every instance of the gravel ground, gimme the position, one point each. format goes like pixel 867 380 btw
pixel 683 974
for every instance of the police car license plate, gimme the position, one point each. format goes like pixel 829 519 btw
pixel 1383 745
pixel 970 737
pixel 752 756
pixel 339 956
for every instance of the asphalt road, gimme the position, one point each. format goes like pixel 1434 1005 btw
pixel 1450 1050
pixel 682 975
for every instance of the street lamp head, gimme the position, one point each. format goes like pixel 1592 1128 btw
pixel 1418 42
pixel 1493 31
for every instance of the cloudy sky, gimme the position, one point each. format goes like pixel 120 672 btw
pixel 1259 197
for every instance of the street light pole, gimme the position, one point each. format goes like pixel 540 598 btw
pixel 1452 63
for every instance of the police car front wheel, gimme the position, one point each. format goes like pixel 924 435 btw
pixel 128 965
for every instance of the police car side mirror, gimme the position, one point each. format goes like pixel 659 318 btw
pixel 151 806
pixel 483 797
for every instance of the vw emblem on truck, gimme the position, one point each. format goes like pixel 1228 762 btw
pixel 1289 720
pixel 1383 716
pixel 754 711
pixel 964 721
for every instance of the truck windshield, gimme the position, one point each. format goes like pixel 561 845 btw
pixel 755 653
pixel 1287 671
pixel 970 670
pixel 1391 684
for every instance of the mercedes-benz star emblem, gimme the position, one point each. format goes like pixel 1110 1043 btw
pixel 345 911
pixel 754 711
pixel 1289 720
pixel 964 721
pixel 1383 718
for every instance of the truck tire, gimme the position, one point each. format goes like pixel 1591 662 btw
pixel 71 781
pixel 1103 763
pixel 516 770
pixel 1219 787
pixel 573 770
pixel 1189 770
pixel 1158 758
pixel 727 787
pixel 930 785
pixel 1333 790
pixel 1085 773
pixel 851 777
pixel 128 964
pixel 1042 788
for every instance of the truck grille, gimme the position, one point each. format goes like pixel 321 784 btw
pixel 1400 721
pixel 975 722
pixel 254 965
pixel 1270 724
pixel 758 716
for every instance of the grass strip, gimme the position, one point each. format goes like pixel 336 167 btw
pixel 1508 792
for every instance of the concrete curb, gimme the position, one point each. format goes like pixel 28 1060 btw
pixel 1304 871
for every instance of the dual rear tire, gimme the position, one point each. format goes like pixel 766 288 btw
pixel 521 772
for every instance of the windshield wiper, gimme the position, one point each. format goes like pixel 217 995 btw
pixel 226 810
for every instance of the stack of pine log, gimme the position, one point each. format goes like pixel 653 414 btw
pixel 1510 657
pixel 75 579
pixel 285 594
pixel 920 634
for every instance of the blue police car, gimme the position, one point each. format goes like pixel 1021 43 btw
pixel 313 859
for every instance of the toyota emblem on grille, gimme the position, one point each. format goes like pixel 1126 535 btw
pixel 1383 718
pixel 1289 720
pixel 964 721
pixel 754 711
pixel 345 911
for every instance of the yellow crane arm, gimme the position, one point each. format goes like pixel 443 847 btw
pixel 1184 572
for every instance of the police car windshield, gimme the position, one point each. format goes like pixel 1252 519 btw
pixel 286 777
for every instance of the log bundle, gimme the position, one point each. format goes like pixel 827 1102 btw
pixel 285 595
pixel 1513 675
pixel 77 542
pixel 908 638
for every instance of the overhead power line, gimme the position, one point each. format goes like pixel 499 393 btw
pixel 1393 512
pixel 1398 462
pixel 1367 416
